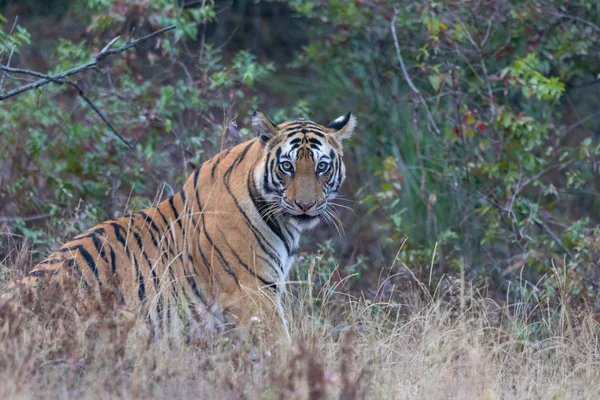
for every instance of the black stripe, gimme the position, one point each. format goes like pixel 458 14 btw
pixel 277 183
pixel 266 175
pixel 183 233
pixel 196 173
pixel 339 172
pixel 204 259
pixel 168 227
pixel 52 261
pixel 183 198
pixel 140 278
pixel 113 260
pixel 90 262
pixel 163 218
pixel 72 263
pixel 154 276
pixel 197 191
pixel 259 205
pixel 169 313
pixel 219 254
pixel 256 232
pixel 214 167
pixel 194 286
pixel 152 237
pixel 169 230
pixel 175 213
pixel 159 304
pixel 119 236
pixel 268 284
pixel 99 246
pixel 305 131
pixel 149 220
pixel 68 249
pixel 271 265
pixel 43 272
pixel 88 234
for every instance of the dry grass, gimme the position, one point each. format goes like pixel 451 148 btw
pixel 462 347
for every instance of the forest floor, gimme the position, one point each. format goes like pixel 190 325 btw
pixel 459 346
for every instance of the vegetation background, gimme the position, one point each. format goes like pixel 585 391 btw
pixel 475 172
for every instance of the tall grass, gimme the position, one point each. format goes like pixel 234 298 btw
pixel 452 344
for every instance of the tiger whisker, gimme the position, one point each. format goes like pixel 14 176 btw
pixel 344 207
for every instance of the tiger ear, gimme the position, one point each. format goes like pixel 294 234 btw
pixel 343 127
pixel 263 127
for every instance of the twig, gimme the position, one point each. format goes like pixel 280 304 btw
pixel 574 18
pixel 555 237
pixel 581 122
pixel 102 117
pixel 14 25
pixel 12 51
pixel 405 72
pixel 80 92
pixel 99 57
pixel 484 70
pixel 28 218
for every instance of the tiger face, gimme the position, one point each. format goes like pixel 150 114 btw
pixel 302 168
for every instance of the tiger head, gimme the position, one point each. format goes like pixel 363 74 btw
pixel 302 168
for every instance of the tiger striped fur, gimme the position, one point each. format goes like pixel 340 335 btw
pixel 222 247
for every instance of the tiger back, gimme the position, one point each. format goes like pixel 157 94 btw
pixel 216 255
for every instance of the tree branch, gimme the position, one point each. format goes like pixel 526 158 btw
pixel 102 117
pixel 60 77
pixel 106 51
pixel 12 51
pixel 405 72
pixel 79 91
pixel 28 218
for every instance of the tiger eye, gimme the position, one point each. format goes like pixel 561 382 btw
pixel 286 166
pixel 322 166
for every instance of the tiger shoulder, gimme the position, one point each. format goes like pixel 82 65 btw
pixel 217 254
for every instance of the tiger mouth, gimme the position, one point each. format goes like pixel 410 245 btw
pixel 304 217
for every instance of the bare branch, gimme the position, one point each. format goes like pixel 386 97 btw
pixel 405 72
pixel 79 91
pixel 484 70
pixel 12 51
pixel 99 57
pixel 555 237
pixel 108 52
pixel 28 218
pixel 575 18
pixel 102 117
pixel 29 72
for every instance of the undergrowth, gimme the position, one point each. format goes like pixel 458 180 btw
pixel 445 342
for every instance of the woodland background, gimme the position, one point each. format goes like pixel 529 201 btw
pixel 478 158
pixel 469 264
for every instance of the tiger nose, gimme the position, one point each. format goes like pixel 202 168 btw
pixel 305 206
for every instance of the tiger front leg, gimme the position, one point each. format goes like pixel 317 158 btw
pixel 261 321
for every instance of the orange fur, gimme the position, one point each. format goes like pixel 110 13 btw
pixel 216 254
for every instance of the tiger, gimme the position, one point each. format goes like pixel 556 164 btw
pixel 215 256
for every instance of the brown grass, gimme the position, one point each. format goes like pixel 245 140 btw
pixel 462 347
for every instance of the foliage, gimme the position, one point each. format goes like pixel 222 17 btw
pixel 483 178
pixel 164 98
pixel 498 167
pixel 491 169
